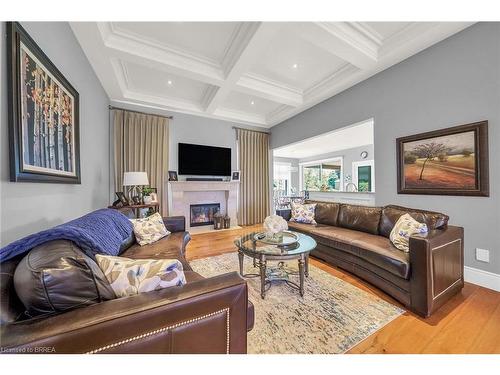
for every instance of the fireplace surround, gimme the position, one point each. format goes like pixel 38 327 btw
pixel 183 194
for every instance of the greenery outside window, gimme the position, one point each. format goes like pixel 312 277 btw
pixel 322 175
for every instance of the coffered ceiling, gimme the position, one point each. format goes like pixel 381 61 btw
pixel 256 73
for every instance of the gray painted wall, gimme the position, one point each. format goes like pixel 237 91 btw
pixel 454 82
pixel 201 130
pixel 30 207
pixel 185 128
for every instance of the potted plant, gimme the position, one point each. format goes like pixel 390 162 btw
pixel 146 195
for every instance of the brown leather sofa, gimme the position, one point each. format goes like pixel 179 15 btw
pixel 207 315
pixel 356 238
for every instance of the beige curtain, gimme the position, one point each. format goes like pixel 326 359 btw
pixel 141 145
pixel 254 198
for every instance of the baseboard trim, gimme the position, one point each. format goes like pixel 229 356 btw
pixel 486 279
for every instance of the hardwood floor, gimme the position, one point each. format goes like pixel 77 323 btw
pixel 468 323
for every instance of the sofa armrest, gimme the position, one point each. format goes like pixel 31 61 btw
pixel 175 223
pixel 205 316
pixel 437 268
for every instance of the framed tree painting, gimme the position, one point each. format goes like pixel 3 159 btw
pixel 452 161
pixel 43 115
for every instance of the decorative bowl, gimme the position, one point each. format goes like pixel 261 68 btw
pixel 284 238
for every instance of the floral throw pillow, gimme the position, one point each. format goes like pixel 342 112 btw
pixel 149 229
pixel 405 227
pixel 303 213
pixel 133 276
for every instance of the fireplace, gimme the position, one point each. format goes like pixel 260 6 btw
pixel 203 214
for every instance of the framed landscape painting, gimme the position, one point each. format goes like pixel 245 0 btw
pixel 43 115
pixel 452 161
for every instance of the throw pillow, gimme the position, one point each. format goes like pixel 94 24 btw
pixel 149 229
pixel 132 276
pixel 405 227
pixel 303 213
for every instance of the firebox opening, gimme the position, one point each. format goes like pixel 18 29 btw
pixel 203 214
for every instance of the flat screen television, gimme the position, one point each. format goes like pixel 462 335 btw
pixel 204 160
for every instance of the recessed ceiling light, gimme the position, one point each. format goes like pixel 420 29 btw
pixel 295 66
pixel 169 82
pixel 252 102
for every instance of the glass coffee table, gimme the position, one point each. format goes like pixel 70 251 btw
pixel 262 252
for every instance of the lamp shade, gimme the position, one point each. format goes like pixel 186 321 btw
pixel 135 178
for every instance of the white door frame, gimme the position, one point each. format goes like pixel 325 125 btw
pixel 364 163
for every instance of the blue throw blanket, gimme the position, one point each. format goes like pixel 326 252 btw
pixel 99 232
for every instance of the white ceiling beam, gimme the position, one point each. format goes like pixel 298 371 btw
pixel 267 89
pixel 366 52
pixel 242 53
pixel 407 42
pixel 89 37
pixel 349 42
pixel 234 115
pixel 130 48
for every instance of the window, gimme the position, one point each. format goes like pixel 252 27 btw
pixel 282 178
pixel 323 175
pixel 363 175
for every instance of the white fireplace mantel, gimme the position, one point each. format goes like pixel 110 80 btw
pixel 182 194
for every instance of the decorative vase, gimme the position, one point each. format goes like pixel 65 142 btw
pixel 227 222
pixel 147 199
pixel 274 226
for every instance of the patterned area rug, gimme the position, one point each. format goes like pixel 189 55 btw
pixel 332 317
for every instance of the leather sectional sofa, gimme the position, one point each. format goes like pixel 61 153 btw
pixel 356 238
pixel 209 315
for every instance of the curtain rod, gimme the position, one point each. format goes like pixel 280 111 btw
pixel 142 113
pixel 251 130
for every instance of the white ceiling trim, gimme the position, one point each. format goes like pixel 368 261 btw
pixel 365 51
pixel 252 42
pixel 253 84
pixel 403 46
pixel 130 48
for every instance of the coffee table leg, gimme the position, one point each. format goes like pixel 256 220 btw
pixel 240 259
pixel 307 265
pixel 262 266
pixel 301 274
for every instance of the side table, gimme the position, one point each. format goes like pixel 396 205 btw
pixel 137 208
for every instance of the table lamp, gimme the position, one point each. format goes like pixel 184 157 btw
pixel 135 179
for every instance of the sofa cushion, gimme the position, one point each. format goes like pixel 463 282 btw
pixel 362 218
pixel 149 229
pixel 11 308
pixel 169 247
pixel 129 241
pixel 406 227
pixel 379 251
pixel 303 213
pixel 128 276
pixel 301 227
pixel 57 276
pixel 372 248
pixel 336 237
pixel 391 214
pixel 326 212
